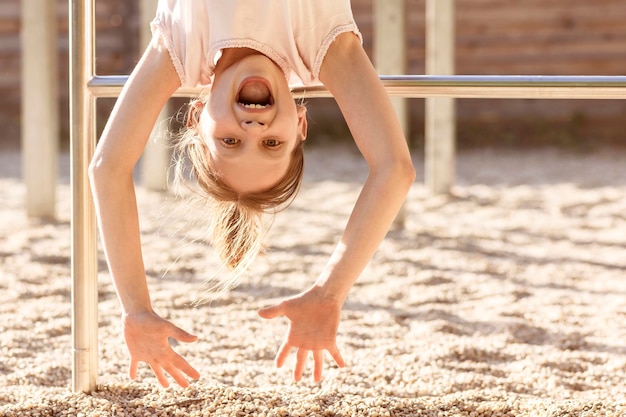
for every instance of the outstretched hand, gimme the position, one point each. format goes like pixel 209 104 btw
pixel 146 336
pixel 313 324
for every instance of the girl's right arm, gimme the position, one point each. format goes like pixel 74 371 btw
pixel 314 314
pixel 125 136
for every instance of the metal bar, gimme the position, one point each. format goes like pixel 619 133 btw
pixel 495 86
pixel 459 86
pixel 110 86
pixel 84 249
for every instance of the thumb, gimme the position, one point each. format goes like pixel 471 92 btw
pixel 271 312
pixel 183 336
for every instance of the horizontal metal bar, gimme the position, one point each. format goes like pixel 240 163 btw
pixel 459 86
pixel 110 86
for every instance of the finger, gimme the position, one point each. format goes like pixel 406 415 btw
pixel 300 364
pixel 334 352
pixel 160 375
pixel 283 353
pixel 318 361
pixel 132 371
pixel 184 366
pixel 178 376
pixel 183 336
pixel 271 312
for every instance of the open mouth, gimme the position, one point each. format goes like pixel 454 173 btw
pixel 255 93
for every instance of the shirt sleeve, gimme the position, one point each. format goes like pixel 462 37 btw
pixel 182 26
pixel 321 22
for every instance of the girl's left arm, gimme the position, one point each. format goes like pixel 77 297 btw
pixel 351 78
pixel 314 315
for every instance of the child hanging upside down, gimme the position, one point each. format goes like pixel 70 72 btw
pixel 244 141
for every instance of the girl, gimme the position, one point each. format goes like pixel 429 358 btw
pixel 245 144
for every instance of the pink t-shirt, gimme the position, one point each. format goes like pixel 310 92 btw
pixel 295 34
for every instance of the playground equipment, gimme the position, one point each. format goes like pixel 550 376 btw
pixel 87 87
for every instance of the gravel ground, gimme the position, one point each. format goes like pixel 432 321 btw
pixel 507 298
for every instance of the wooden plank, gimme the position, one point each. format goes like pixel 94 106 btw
pixel 440 135
pixel 390 57
pixel 40 121
pixel 155 160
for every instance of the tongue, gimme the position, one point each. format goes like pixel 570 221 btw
pixel 255 92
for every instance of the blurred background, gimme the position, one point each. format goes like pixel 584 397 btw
pixel 534 37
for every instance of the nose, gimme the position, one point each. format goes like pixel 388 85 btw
pixel 252 125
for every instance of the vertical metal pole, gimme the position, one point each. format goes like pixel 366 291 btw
pixel 155 160
pixel 390 57
pixel 40 108
pixel 84 250
pixel 440 111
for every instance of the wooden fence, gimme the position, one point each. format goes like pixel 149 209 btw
pixel 565 37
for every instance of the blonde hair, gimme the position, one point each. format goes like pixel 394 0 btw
pixel 236 224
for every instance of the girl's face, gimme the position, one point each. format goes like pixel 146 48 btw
pixel 251 124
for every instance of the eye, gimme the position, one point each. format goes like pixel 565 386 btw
pixel 271 143
pixel 230 141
